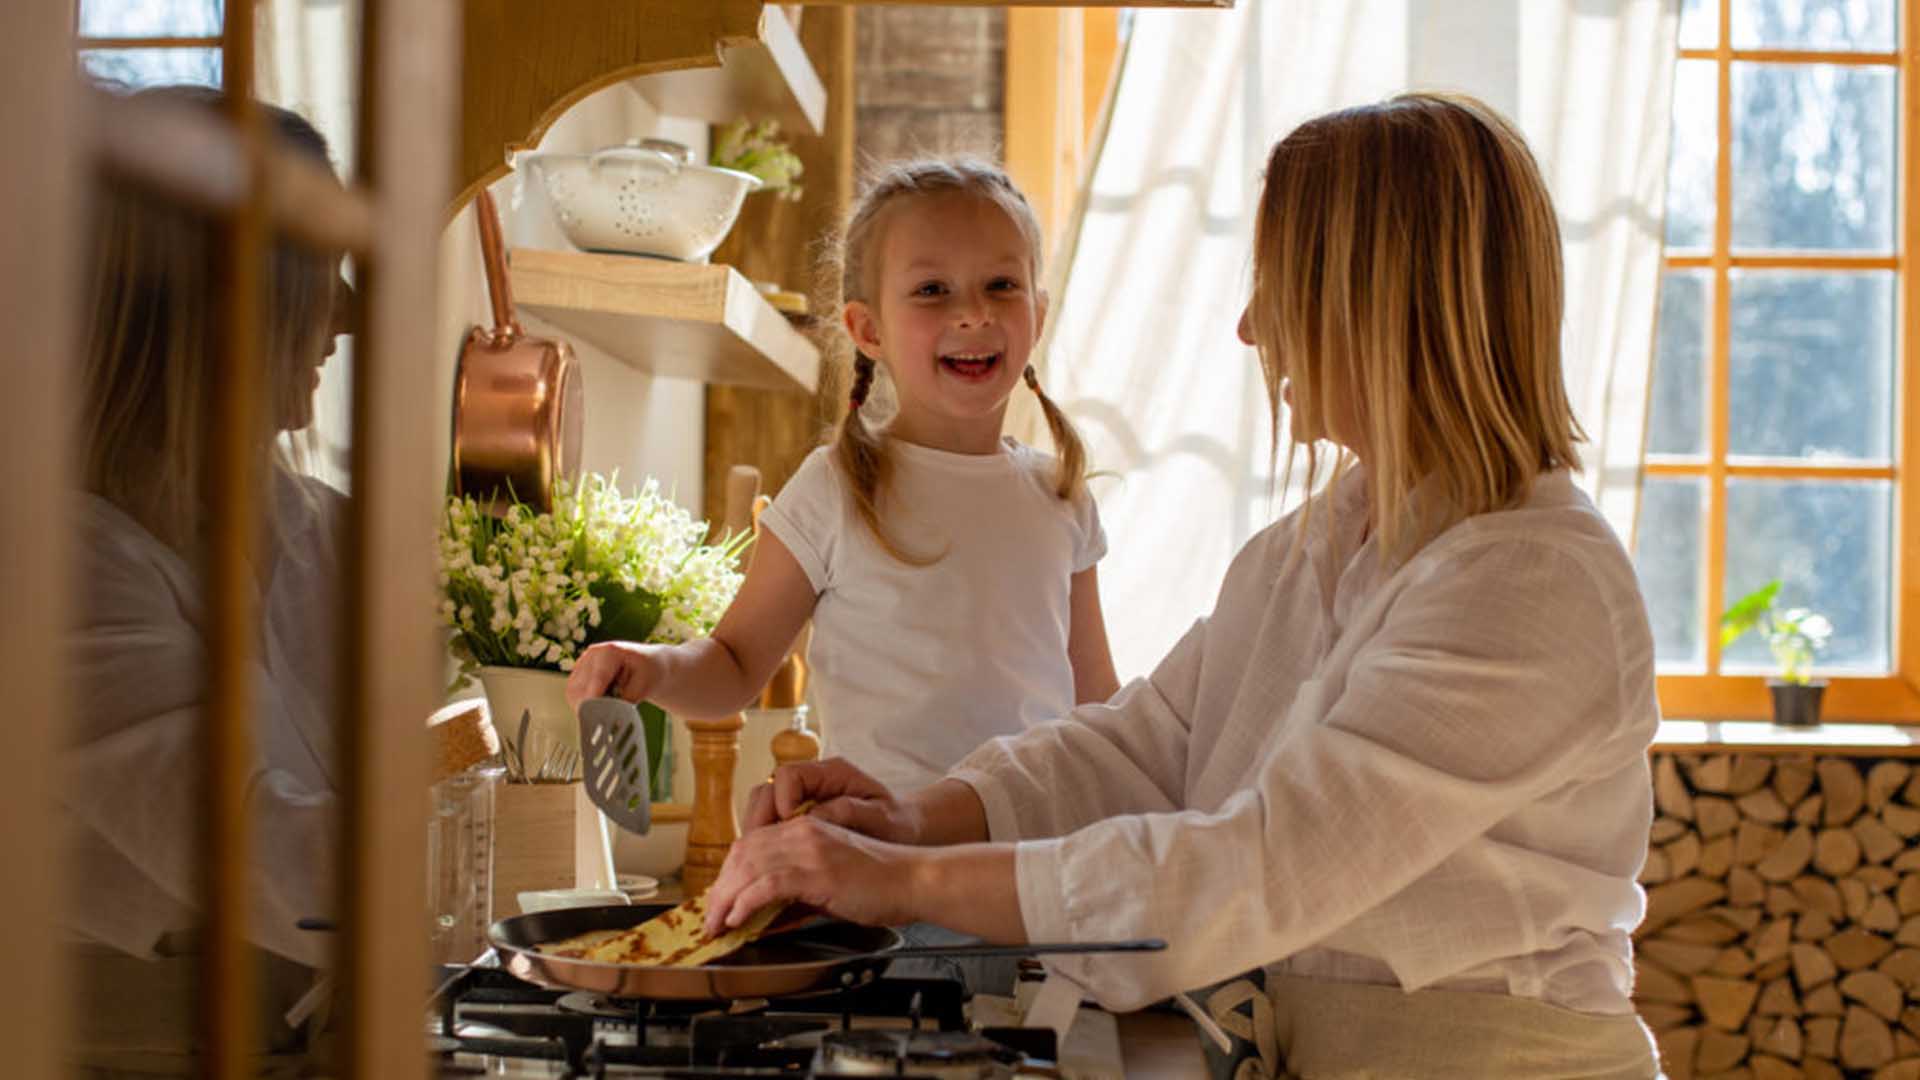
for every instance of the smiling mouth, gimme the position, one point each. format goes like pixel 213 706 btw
pixel 971 365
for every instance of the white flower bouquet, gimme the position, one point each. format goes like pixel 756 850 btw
pixel 533 590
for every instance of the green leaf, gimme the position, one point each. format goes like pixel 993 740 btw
pixel 625 614
pixel 1747 613
pixel 659 770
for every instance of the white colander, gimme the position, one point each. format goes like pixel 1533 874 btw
pixel 637 200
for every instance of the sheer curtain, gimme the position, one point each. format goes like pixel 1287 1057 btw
pixel 1141 350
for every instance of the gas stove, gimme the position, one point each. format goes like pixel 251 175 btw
pixel 488 1023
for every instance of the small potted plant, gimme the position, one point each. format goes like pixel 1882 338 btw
pixel 1794 636
pixel 758 151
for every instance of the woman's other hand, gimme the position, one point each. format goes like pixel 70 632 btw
pixel 621 669
pixel 814 862
pixel 841 794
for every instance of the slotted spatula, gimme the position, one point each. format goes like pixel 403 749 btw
pixel 613 751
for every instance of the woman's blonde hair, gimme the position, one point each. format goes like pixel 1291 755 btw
pixel 861 446
pixel 1407 271
pixel 153 334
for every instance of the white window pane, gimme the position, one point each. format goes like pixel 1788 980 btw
pixel 1813 157
pixel 1852 25
pixel 1690 160
pixel 1810 365
pixel 135 68
pixel 1829 544
pixel 1699 24
pixel 150 18
pixel 1667 556
pixel 1676 419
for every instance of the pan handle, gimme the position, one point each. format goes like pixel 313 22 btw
pixel 493 256
pixel 1039 949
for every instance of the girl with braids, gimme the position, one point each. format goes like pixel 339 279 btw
pixel 948 570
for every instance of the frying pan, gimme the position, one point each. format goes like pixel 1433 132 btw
pixel 822 955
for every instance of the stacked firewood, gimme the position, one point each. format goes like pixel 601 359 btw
pixel 1782 935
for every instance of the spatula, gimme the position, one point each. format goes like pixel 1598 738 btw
pixel 613 750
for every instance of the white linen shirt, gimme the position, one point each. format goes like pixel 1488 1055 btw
pixel 1433 775
pixel 137 657
pixel 915 666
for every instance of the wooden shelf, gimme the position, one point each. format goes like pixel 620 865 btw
pixel 685 320
pixel 767 76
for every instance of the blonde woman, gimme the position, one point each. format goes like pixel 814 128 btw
pixel 1402 765
pixel 137 651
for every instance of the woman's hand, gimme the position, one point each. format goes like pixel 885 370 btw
pixel 622 669
pixel 842 795
pixel 813 862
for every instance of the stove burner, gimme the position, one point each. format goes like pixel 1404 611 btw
pixel 582 1003
pixel 959 1055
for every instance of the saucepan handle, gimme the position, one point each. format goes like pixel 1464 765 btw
pixel 1036 949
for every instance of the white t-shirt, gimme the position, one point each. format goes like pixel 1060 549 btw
pixel 1425 775
pixel 915 666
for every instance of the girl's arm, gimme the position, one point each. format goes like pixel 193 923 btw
pixel 717 675
pixel 1093 677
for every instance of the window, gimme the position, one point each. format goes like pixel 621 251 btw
pixel 1779 428
pixel 136 43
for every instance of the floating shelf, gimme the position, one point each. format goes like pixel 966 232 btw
pixel 769 76
pixel 685 320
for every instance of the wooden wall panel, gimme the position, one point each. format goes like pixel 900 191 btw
pixel 777 240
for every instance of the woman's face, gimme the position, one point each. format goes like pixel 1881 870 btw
pixel 296 411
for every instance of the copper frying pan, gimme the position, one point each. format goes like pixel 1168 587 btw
pixel 517 400
pixel 824 955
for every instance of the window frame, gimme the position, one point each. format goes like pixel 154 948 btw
pixel 83 43
pixel 1894 695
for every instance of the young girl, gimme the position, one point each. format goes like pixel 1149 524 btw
pixel 1401 768
pixel 948 571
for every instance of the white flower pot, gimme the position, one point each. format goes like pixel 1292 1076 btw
pixel 541 697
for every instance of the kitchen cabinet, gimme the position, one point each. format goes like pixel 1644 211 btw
pixel 685 320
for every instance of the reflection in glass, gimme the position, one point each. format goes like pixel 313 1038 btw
pixel 1830 545
pixel 139 657
pixel 1849 25
pixel 133 69
pixel 1667 557
pixel 150 18
pixel 1676 415
pixel 1699 24
pixel 1690 161
pixel 1810 366
pixel 1813 164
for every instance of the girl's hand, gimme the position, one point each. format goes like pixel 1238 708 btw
pixel 843 795
pixel 813 862
pixel 622 669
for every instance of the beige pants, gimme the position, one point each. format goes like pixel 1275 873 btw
pixel 137 1018
pixel 1313 1029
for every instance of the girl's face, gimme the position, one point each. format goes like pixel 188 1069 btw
pixel 1343 409
pixel 954 316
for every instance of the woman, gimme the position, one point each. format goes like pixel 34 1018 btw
pixel 137 650
pixel 1402 765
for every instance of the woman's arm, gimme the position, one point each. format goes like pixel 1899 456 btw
pixel 1087 650
pixel 716 675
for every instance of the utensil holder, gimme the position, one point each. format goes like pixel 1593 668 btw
pixel 546 836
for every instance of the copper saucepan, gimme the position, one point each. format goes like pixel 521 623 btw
pixel 823 955
pixel 517 400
